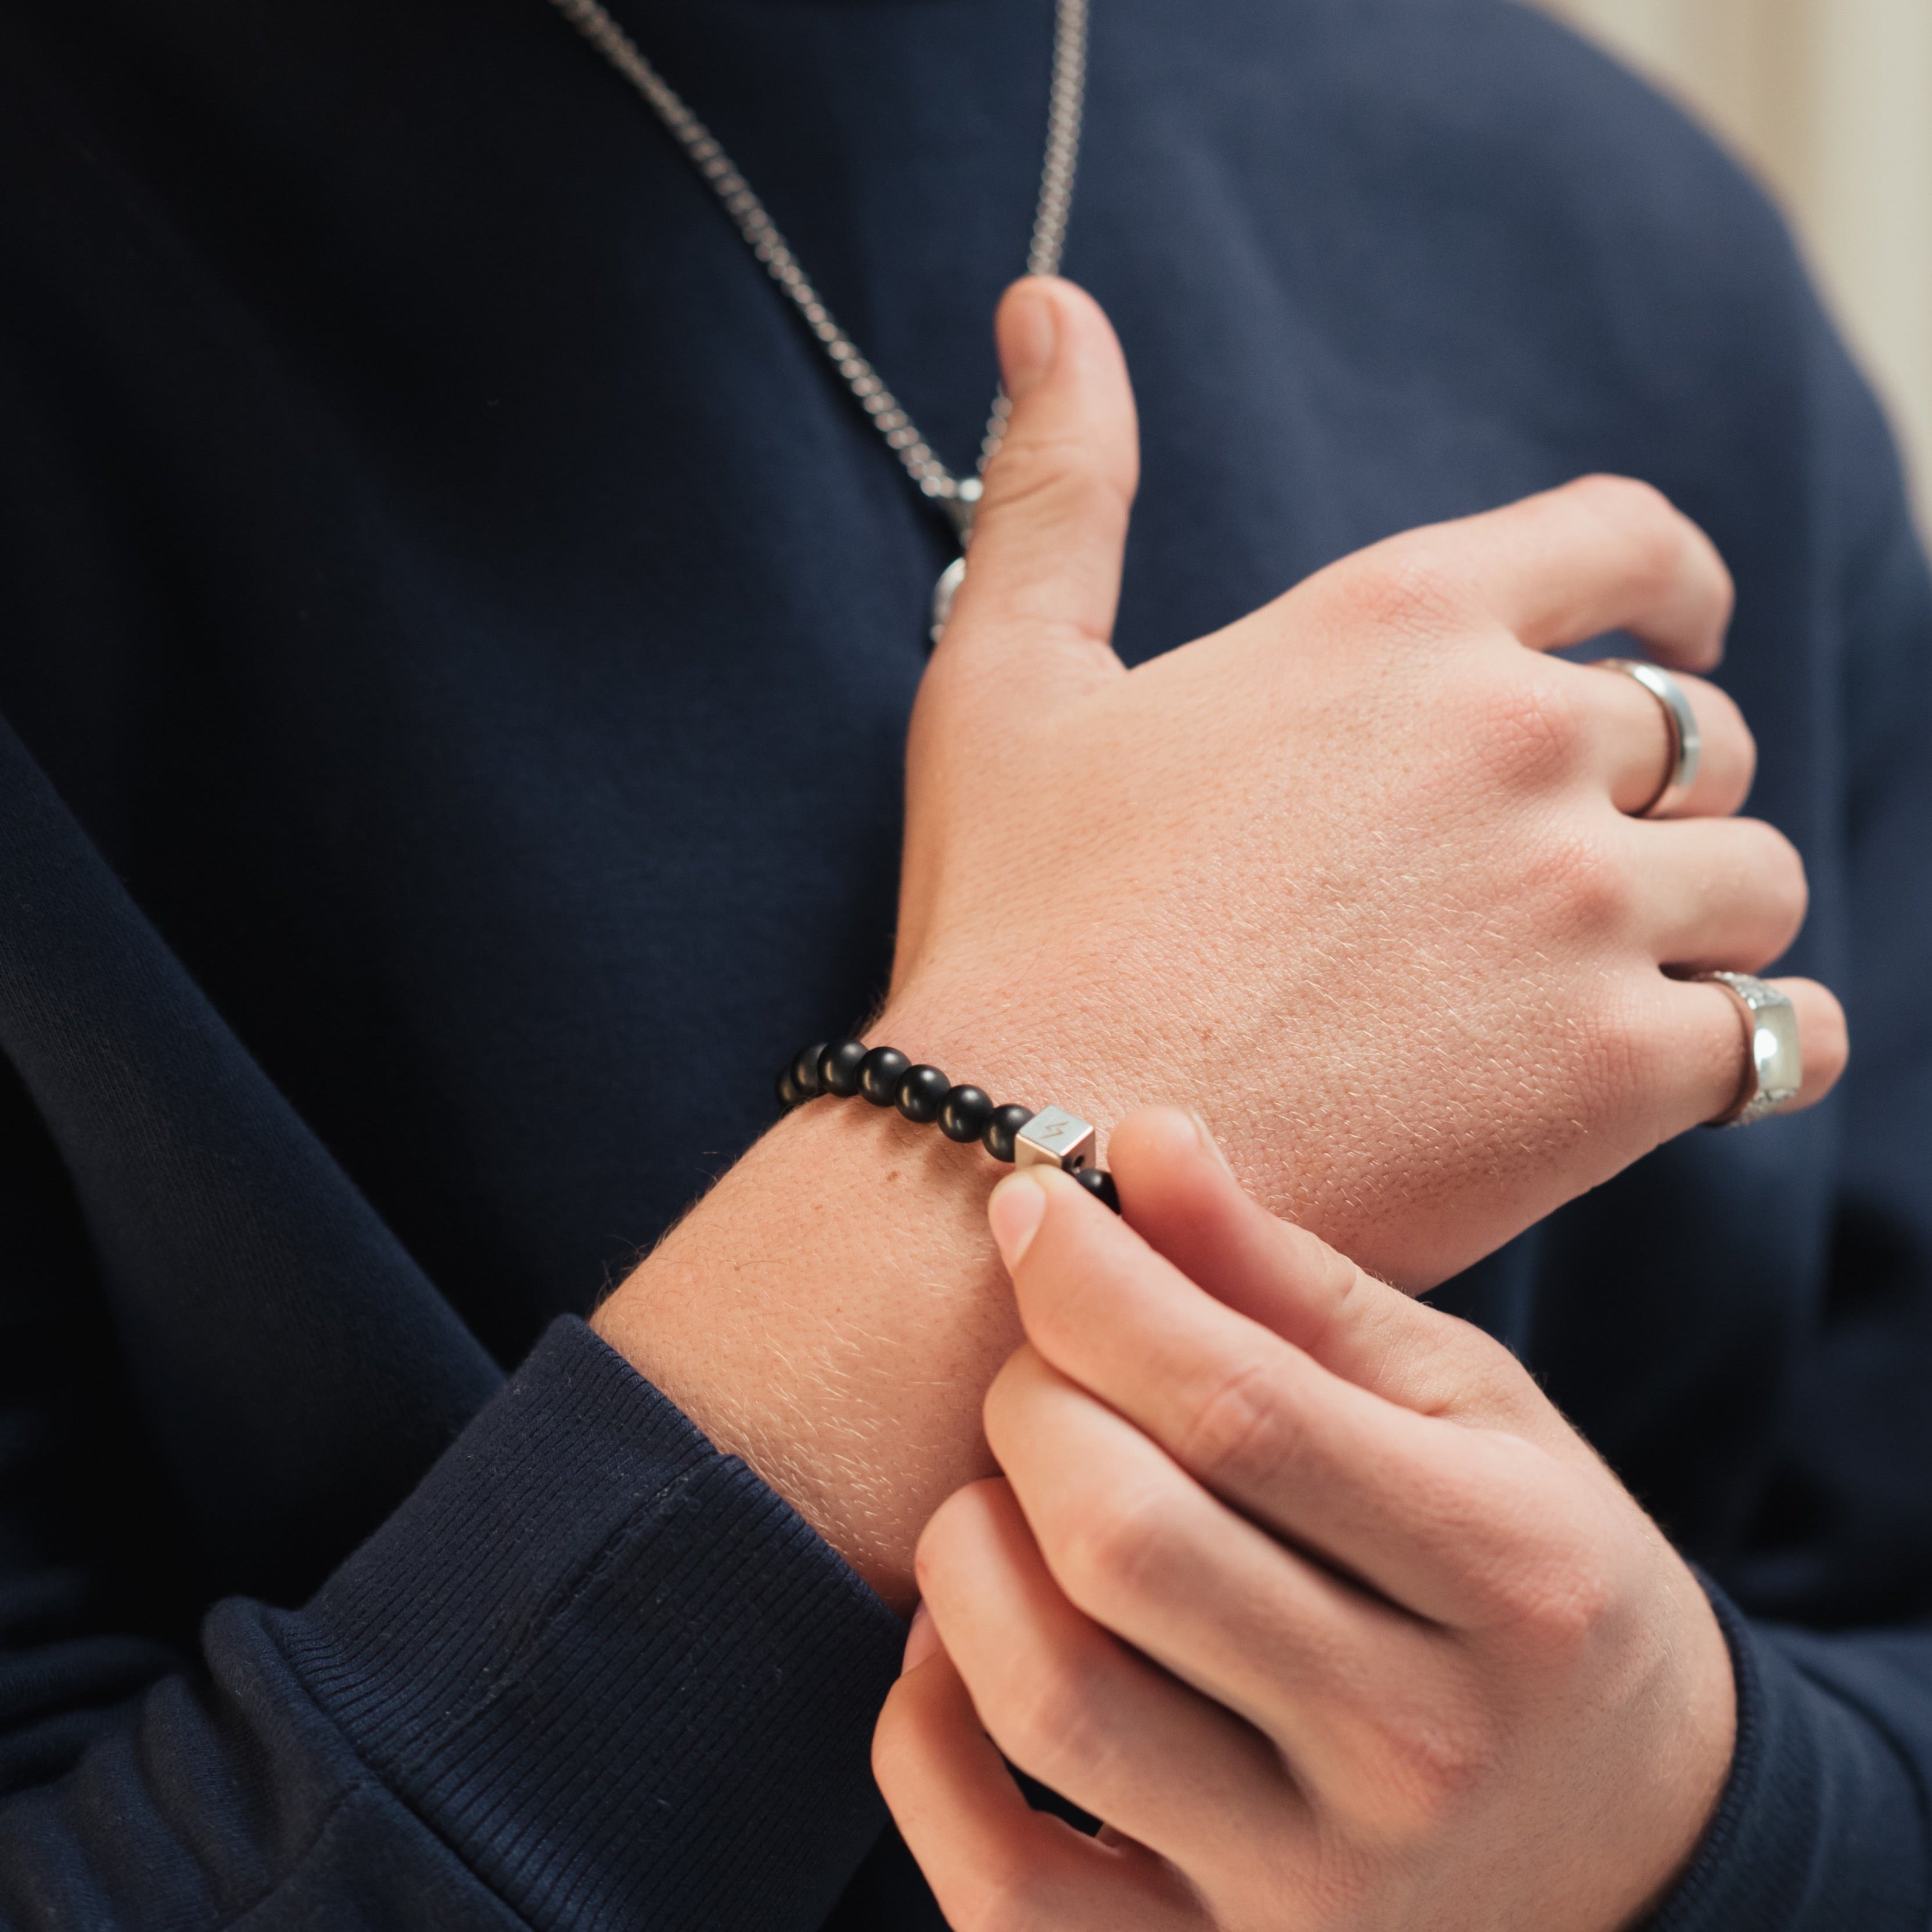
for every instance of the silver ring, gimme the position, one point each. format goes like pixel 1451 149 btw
pixel 1774 1067
pixel 1687 743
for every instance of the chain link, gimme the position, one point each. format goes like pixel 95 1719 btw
pixel 934 479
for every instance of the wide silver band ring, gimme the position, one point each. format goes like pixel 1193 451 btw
pixel 1774 1067
pixel 1680 722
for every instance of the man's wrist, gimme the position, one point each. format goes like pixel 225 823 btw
pixel 832 1312
pixel 1001 1042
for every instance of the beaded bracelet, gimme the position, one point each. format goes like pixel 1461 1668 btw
pixel 1051 1137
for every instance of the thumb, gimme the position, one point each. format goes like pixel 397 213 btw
pixel 1044 576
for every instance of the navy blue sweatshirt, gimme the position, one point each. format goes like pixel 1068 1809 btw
pixel 456 639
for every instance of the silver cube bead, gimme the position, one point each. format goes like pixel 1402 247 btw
pixel 1056 1138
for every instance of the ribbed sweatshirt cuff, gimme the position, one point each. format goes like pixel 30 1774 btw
pixel 1821 1826
pixel 620 1677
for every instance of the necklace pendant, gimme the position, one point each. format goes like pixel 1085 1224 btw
pixel 960 506
pixel 943 593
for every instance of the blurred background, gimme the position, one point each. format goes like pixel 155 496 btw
pixel 1831 102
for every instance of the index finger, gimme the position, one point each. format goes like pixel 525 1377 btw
pixel 1602 554
pixel 1179 1195
pixel 1433 1516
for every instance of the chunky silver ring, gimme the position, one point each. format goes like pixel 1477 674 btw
pixel 1774 1067
pixel 1680 721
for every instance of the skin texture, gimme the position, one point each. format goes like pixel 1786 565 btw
pixel 1303 1587
pixel 1355 877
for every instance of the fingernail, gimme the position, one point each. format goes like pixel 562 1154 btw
pixel 1029 333
pixel 1210 1146
pixel 921 1640
pixel 1015 1211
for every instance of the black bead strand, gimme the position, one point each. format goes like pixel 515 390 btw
pixel 805 1072
pixel 1003 1127
pixel 922 1092
pixel 879 1073
pixel 844 1068
pixel 1098 1182
pixel 838 1067
pixel 964 1116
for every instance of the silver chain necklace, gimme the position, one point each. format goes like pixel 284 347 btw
pixel 958 495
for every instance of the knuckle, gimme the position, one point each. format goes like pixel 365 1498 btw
pixel 1558 1610
pixel 1602 887
pixel 1047 1722
pixel 1585 880
pixel 1058 476
pixel 1546 1566
pixel 1118 1547
pixel 1245 1430
pixel 1470 1375
pixel 1627 1046
pixel 1419 1756
pixel 1433 1770
pixel 1401 589
pixel 1648 526
pixel 1528 725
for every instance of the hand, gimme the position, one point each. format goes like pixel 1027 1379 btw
pixel 1354 876
pixel 1307 1591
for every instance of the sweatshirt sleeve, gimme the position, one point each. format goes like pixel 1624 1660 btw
pixel 591 1672
pixel 561 1663
pixel 1823 1824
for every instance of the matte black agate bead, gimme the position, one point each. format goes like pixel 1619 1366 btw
pixel 1098 1182
pixel 964 1116
pixel 1006 1122
pixel 805 1073
pixel 787 1089
pixel 922 1092
pixel 838 1067
pixel 879 1073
